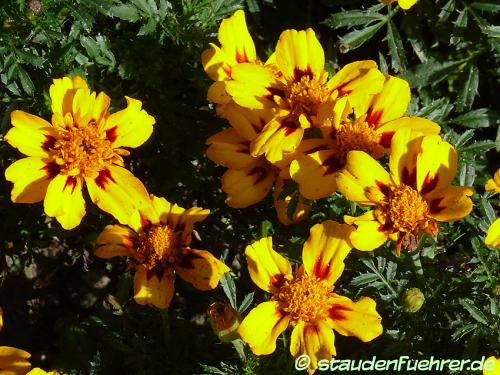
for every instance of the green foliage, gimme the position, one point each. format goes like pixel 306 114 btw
pixel 75 313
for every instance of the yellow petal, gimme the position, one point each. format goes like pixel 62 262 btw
pixel 247 122
pixel 491 366
pixel 419 124
pixel 30 134
pixel 216 63
pixel 493 184
pixel 405 147
pixel 200 268
pixel 115 240
pixel 118 192
pixel 62 92
pixel 282 204
pixel 325 250
pixel 406 4
pixel 14 361
pixel 217 93
pixel 281 135
pixel 31 177
pixel 390 103
pixel 316 340
pixel 493 236
pixel 450 203
pixel 362 174
pixel 155 288
pixel 64 200
pixel 436 164
pixel 254 86
pixel 267 268
pixel 262 326
pixel 229 149
pixel 369 233
pixel 316 173
pixel 358 77
pixel 130 127
pixel 358 319
pixel 248 186
pixel 1 318
pixel 299 53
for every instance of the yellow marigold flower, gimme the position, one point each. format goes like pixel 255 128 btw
pixel 491 366
pixel 13 361
pixel 493 184
pixel 409 200
pixel 368 126
pixel 305 300
pixel 404 4
pixel 81 146
pixel 158 240
pixel 295 86
pixel 39 371
pixel 236 47
pixel 493 236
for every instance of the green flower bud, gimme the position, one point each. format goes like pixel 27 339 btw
pixel 413 299
pixel 224 321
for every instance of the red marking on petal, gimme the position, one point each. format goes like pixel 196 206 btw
pixel 274 91
pixel 261 173
pixel 332 164
pixel 386 139
pixel 186 260
pixel 384 227
pixel 104 178
pixel 429 184
pixel 49 142
pixel 384 189
pixel 290 125
pixel 299 73
pixel 337 312
pixel 320 269
pixel 111 134
pixel 340 89
pixel 311 329
pixel 408 178
pixel 72 182
pixel 277 280
pixel 52 169
pixel 434 206
pixel 373 118
pixel 228 70
pixel 242 57
pixel 128 242
pixel 317 148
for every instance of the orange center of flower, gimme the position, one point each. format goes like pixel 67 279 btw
pixel 82 151
pixel 356 135
pixel 158 246
pixel 406 209
pixel 304 298
pixel 306 95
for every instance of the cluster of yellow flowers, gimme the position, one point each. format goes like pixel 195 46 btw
pixel 292 127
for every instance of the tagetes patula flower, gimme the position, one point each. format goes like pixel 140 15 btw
pixel 13 361
pixel 157 239
pixel 368 126
pixel 493 236
pixel 82 146
pixel 411 198
pixel 236 47
pixel 305 299
pixel 296 85
pixel 404 4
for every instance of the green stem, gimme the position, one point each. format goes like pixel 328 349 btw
pixel 165 324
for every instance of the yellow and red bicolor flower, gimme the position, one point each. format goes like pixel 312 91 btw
pixel 236 47
pixel 368 126
pixel 305 299
pixel 82 146
pixel 409 200
pixel 295 86
pixel 157 239
pixel 404 4
pixel 493 236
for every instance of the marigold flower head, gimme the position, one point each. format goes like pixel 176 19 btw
pixel 157 239
pixel 366 126
pixel 82 146
pixel 409 200
pixel 305 299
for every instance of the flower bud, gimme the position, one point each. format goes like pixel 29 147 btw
pixel 413 299
pixel 224 321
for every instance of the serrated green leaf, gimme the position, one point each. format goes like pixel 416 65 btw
pixel 479 146
pixel 462 331
pixel 126 12
pixel 229 288
pixel 431 72
pixel 247 301
pixel 469 90
pixel 352 18
pixel 26 82
pixel 396 49
pixel 148 28
pixel 478 118
pixel 486 7
pixel 491 30
pixel 446 11
pixel 474 311
pixel 364 279
pixel 356 38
